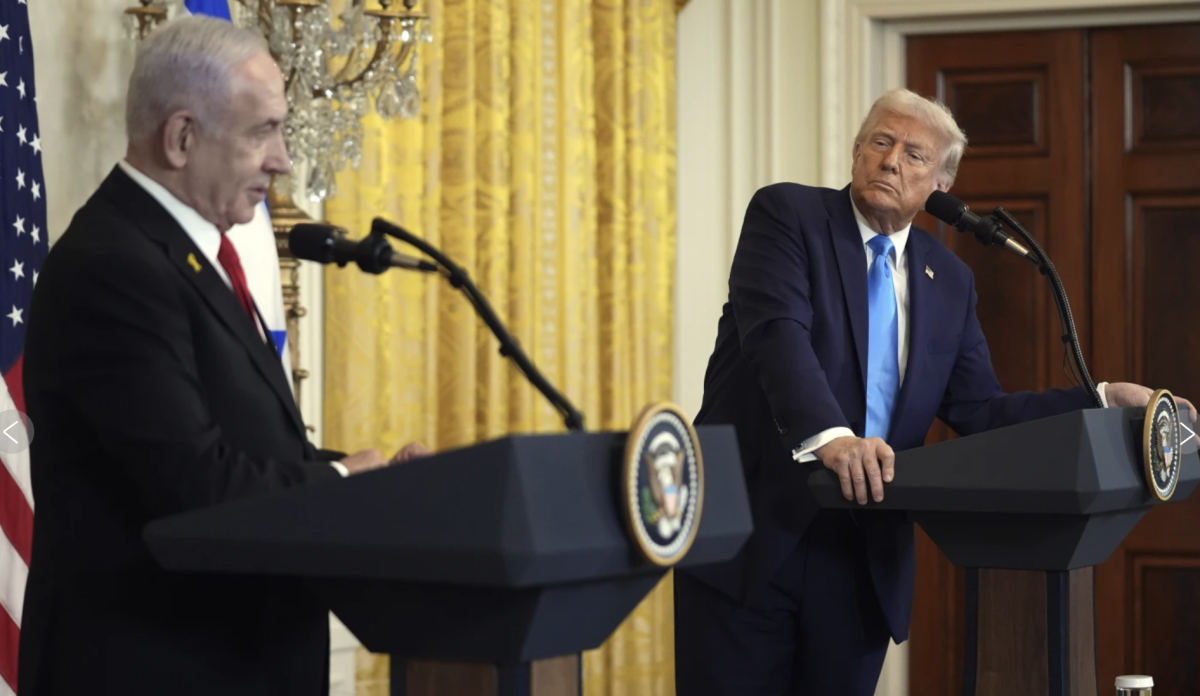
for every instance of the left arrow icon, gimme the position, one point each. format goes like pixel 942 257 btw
pixel 17 432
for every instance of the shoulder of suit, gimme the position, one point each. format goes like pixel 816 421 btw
pixel 795 191
pixel 99 235
pixel 803 200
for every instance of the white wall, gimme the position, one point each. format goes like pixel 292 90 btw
pixel 747 74
pixel 82 60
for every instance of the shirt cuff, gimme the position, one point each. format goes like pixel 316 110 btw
pixel 340 468
pixel 804 453
pixel 1100 389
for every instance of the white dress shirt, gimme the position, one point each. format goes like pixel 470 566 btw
pixel 899 263
pixel 203 233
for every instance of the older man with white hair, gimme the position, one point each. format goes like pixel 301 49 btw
pixel 156 389
pixel 847 331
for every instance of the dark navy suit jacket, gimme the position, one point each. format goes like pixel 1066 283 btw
pixel 790 362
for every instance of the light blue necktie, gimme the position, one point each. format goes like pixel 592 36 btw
pixel 883 356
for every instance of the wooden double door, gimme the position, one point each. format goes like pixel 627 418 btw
pixel 1091 138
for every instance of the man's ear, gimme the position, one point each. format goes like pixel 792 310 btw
pixel 179 137
pixel 942 186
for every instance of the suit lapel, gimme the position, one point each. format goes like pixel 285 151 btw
pixel 918 319
pixel 158 224
pixel 852 267
pixel 225 305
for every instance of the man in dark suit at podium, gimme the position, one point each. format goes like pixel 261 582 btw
pixel 155 390
pixel 847 331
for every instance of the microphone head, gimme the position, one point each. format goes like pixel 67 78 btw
pixel 313 242
pixel 945 207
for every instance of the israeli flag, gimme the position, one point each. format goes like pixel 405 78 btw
pixel 255 244
pixel 255 241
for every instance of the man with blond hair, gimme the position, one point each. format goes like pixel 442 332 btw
pixel 846 332
pixel 156 389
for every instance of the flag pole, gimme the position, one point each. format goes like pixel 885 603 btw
pixel 284 216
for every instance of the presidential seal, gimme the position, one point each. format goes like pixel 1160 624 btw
pixel 1161 444
pixel 663 484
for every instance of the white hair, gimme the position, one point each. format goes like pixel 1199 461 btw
pixel 931 112
pixel 187 64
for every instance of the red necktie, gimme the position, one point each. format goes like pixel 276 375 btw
pixel 228 258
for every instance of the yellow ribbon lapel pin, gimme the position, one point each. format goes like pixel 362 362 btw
pixel 196 264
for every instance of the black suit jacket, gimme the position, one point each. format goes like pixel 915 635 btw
pixel 152 393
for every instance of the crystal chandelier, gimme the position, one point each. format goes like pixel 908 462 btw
pixel 333 73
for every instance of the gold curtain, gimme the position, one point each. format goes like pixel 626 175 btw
pixel 543 162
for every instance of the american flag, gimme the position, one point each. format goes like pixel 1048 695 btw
pixel 24 243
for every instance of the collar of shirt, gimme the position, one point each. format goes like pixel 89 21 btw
pixel 899 239
pixel 204 234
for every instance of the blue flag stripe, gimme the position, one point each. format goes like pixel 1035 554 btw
pixel 212 8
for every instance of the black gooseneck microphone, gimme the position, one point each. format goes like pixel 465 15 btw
pixel 509 347
pixel 952 211
pixel 987 230
pixel 313 241
pixel 327 244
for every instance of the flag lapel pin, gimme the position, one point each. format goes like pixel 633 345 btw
pixel 929 272
pixel 196 264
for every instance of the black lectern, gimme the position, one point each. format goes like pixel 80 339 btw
pixel 1028 510
pixel 510 551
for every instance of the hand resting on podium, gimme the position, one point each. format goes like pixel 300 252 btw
pixel 864 464
pixel 368 459
pixel 1125 394
pixel 860 463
